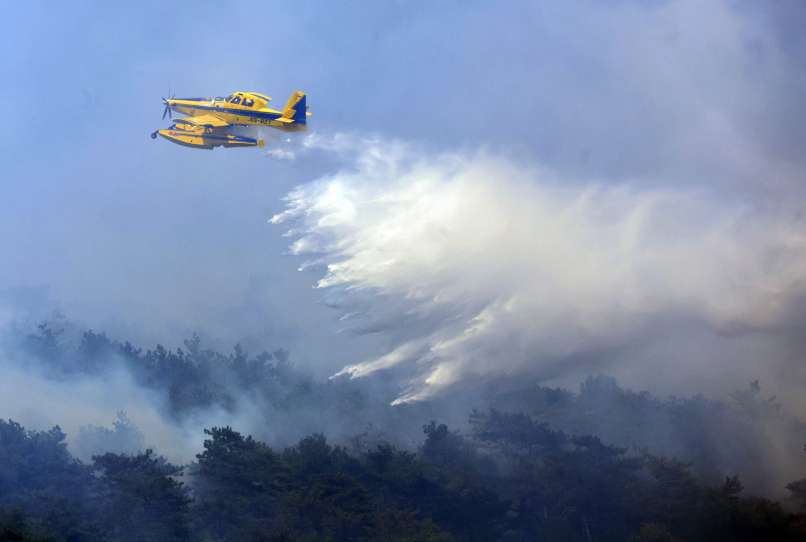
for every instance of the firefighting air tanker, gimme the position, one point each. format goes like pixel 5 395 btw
pixel 213 122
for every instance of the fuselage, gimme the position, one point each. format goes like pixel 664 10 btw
pixel 251 110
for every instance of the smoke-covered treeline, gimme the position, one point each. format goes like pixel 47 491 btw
pixel 498 460
pixel 746 433
pixel 510 479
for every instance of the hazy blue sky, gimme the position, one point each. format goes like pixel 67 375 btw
pixel 151 241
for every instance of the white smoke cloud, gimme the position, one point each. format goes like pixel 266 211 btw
pixel 475 264
pixel 281 154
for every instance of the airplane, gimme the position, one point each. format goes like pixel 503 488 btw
pixel 211 120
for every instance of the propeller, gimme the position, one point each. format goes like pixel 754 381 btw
pixel 167 110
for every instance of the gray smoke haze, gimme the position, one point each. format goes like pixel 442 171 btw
pixel 106 400
pixel 556 189
pixel 39 403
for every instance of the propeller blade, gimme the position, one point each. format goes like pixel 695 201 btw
pixel 167 110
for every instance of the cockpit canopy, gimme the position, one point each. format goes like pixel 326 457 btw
pixel 248 99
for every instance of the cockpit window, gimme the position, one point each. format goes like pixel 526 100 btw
pixel 230 98
pixel 236 100
pixel 248 102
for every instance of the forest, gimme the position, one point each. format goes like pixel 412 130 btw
pixel 332 460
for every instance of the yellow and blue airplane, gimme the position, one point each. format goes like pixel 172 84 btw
pixel 210 121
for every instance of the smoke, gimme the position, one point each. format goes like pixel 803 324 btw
pixel 80 402
pixel 474 264
pixel 281 154
pixel 107 398
pixel 104 409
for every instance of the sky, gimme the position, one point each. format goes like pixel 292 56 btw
pixel 700 101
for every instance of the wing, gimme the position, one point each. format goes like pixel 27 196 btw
pixel 205 120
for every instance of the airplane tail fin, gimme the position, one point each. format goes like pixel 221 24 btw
pixel 296 108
